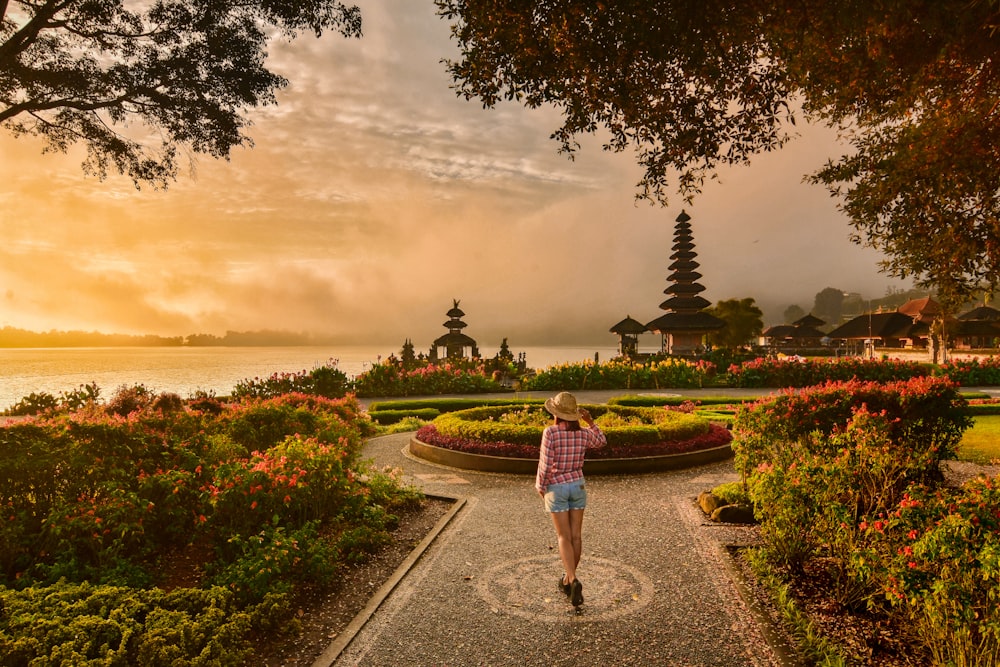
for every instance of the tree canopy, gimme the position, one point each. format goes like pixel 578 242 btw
pixel 139 82
pixel 912 85
pixel 744 323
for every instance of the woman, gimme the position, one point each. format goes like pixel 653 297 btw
pixel 559 481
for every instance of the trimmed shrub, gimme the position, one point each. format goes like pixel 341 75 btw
pixel 386 417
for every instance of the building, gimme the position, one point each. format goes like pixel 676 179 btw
pixel 685 324
pixel 456 344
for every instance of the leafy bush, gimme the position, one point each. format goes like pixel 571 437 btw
pixel 127 400
pixel 941 554
pixel 973 372
pixel 425 379
pixel 780 373
pixel 35 403
pixel 82 624
pixel 101 498
pixel 926 413
pixel 732 493
pixel 326 380
pixel 850 481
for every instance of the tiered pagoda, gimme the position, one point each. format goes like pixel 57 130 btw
pixel 684 325
pixel 455 342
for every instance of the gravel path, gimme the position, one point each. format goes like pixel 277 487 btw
pixel 657 584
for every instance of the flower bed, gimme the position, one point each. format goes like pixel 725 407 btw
pixel 631 432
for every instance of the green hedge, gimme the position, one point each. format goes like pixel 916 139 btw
pixel 659 401
pixel 450 404
pixel 387 417
pixel 979 409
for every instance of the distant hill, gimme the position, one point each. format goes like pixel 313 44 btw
pixel 12 337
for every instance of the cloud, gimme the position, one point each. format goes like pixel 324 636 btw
pixel 374 196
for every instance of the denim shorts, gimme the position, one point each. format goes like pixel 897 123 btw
pixel 566 496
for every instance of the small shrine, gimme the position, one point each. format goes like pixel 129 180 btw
pixel 628 331
pixel 455 343
pixel 684 325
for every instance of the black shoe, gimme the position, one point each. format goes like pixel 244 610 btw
pixel 576 594
pixel 564 587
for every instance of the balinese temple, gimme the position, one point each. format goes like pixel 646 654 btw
pixel 455 343
pixel 628 331
pixel 684 325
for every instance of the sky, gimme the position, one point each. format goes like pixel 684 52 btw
pixel 374 196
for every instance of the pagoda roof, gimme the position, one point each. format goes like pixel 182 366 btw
pixel 454 338
pixel 684 265
pixel 685 303
pixel 455 311
pixel 679 276
pixel 683 217
pixel 628 327
pixel 455 324
pixel 683 288
pixel 699 321
pixel 684 254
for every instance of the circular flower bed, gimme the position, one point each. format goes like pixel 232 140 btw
pixel 516 432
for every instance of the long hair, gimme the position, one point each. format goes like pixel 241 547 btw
pixel 571 425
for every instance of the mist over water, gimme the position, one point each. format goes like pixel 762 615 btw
pixel 185 370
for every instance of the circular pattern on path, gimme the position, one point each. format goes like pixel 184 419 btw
pixel 528 588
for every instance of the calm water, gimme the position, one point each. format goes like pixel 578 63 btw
pixel 186 370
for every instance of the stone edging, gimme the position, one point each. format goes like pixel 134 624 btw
pixel 485 463
pixel 333 651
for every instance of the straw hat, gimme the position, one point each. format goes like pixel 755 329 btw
pixel 563 405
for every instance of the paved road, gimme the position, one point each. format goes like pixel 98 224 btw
pixel 658 586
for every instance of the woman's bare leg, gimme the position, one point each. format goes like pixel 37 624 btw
pixel 569 532
pixel 576 530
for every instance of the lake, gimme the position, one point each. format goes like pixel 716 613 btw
pixel 184 370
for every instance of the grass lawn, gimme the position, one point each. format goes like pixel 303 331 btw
pixel 981 443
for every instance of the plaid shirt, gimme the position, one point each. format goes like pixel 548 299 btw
pixel 561 457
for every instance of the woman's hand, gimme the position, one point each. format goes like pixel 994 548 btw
pixel 585 416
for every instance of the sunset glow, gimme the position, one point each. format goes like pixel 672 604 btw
pixel 374 196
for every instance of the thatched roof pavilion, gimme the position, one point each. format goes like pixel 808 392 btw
pixel 628 331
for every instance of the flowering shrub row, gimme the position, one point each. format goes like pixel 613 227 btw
pixel 426 379
pixel 272 489
pixel 326 380
pixel 973 372
pixel 622 374
pixel 631 432
pixel 781 373
pixel 848 475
